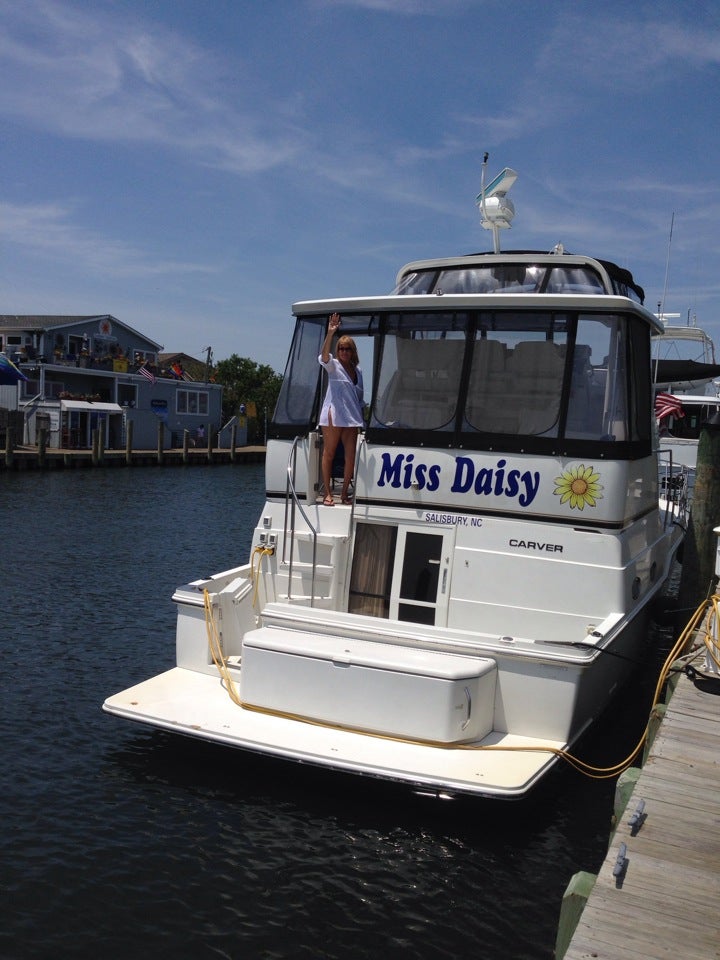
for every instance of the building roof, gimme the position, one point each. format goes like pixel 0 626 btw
pixel 197 369
pixel 178 357
pixel 39 323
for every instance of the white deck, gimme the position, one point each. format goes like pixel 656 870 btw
pixel 199 706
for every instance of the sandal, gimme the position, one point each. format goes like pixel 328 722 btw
pixel 329 501
pixel 347 501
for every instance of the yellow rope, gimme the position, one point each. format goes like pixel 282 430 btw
pixel 596 773
pixel 258 552
pixel 215 645
pixel 712 642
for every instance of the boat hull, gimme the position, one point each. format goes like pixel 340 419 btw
pixel 548 700
pixel 196 705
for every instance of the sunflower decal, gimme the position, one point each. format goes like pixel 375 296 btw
pixel 579 485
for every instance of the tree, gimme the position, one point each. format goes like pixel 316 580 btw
pixel 245 381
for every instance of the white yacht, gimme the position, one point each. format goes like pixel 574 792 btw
pixel 471 613
pixel 683 356
pixel 685 372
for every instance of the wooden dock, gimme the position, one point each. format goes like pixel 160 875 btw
pixel 659 896
pixel 30 458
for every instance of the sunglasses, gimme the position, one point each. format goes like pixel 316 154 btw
pixel 349 349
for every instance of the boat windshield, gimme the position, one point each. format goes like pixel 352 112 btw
pixel 492 379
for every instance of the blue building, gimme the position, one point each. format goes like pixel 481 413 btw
pixel 96 372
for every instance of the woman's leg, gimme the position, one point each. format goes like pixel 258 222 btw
pixel 331 438
pixel 349 441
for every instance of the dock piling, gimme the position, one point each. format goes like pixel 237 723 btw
pixel 42 446
pixel 573 904
pixel 9 447
pixel 129 443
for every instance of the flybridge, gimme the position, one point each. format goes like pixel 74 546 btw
pixel 517 272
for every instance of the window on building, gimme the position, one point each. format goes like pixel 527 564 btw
pixel 192 402
pixel 30 388
pixel 127 394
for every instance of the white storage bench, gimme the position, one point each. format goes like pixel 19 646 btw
pixel 365 685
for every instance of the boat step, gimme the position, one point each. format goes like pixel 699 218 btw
pixel 326 538
pixel 321 569
pixel 304 600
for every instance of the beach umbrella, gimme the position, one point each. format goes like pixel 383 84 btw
pixel 9 373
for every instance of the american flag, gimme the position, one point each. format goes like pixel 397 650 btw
pixel 148 374
pixel 666 405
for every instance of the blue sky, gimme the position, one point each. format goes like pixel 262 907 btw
pixel 193 167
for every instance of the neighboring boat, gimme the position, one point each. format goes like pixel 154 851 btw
pixel 471 614
pixel 680 420
pixel 684 366
pixel 683 357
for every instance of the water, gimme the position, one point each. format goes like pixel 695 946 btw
pixel 121 842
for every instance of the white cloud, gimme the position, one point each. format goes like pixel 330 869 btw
pixel 609 51
pixel 103 77
pixel 49 231
pixel 433 8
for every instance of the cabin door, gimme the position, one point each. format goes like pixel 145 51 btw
pixel 421 576
pixel 401 572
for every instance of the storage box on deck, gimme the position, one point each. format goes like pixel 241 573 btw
pixel 364 685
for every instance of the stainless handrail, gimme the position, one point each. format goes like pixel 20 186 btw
pixel 674 481
pixel 291 497
pixel 292 502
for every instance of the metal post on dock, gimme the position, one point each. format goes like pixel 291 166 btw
pixel 95 439
pixel 697 580
pixel 9 447
pixel 186 446
pixel 233 442
pixel 161 442
pixel 210 442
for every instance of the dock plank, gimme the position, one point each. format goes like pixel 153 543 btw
pixel 666 904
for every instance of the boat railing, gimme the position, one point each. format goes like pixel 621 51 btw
pixel 292 505
pixel 674 486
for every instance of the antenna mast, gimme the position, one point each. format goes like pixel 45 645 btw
pixel 667 267
pixel 496 211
